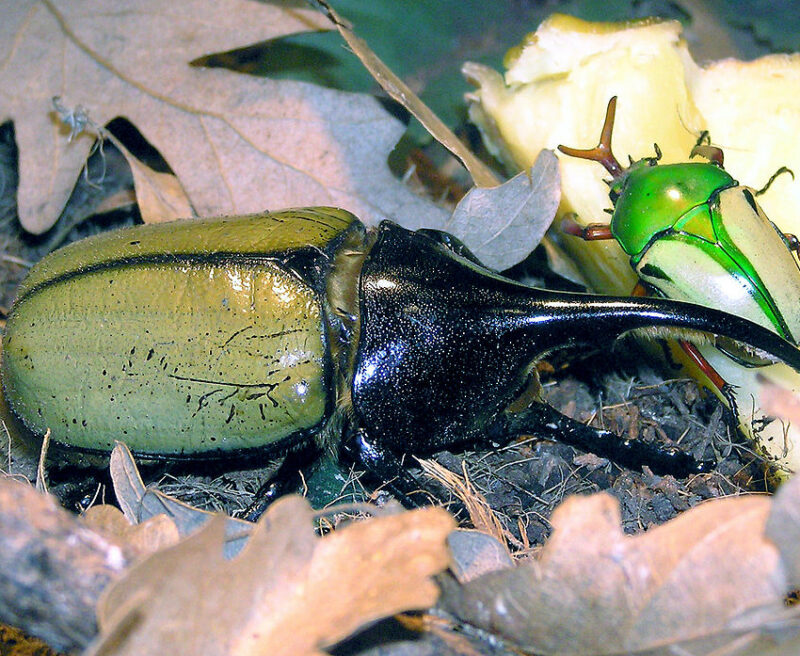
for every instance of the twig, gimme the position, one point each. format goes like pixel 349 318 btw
pixel 41 469
pixel 481 174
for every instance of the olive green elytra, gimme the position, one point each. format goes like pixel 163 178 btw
pixel 186 338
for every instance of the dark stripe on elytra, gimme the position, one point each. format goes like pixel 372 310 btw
pixel 304 262
pixel 652 271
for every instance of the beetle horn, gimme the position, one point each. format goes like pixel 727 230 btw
pixel 589 319
pixel 602 152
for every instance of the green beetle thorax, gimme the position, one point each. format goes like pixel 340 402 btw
pixel 651 198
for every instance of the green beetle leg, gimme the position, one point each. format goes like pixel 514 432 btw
pixel 542 420
pixel 591 232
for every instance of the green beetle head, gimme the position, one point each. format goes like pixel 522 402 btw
pixel 693 233
pixel 649 198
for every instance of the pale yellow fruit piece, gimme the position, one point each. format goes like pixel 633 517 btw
pixel 752 111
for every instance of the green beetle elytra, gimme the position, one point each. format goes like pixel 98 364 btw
pixel 262 334
pixel 694 233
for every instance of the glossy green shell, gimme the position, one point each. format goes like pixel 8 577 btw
pixel 652 198
pixel 204 337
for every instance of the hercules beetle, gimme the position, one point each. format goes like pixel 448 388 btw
pixel 695 234
pixel 260 334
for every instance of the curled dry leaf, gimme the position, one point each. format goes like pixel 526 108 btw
pixel 159 195
pixel 142 505
pixel 287 592
pixel 707 578
pixel 502 225
pixel 236 143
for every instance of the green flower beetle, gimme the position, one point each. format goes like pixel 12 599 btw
pixel 693 233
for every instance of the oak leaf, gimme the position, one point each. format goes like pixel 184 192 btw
pixel 235 142
pixel 287 592
pixel 715 578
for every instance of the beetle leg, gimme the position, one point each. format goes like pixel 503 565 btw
pixel 591 232
pixel 703 148
pixel 711 153
pixel 693 353
pixel 384 466
pixel 792 241
pixel 780 171
pixel 725 388
pixel 543 420
pixel 703 139
pixel 286 480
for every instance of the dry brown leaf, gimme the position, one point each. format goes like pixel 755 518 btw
pixel 783 528
pixel 141 504
pixel 160 196
pixel 236 143
pixel 156 533
pixel 474 553
pixel 709 578
pixel 288 592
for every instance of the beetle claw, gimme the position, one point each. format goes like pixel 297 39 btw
pixel 384 465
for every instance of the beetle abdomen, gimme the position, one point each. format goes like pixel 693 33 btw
pixel 179 348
